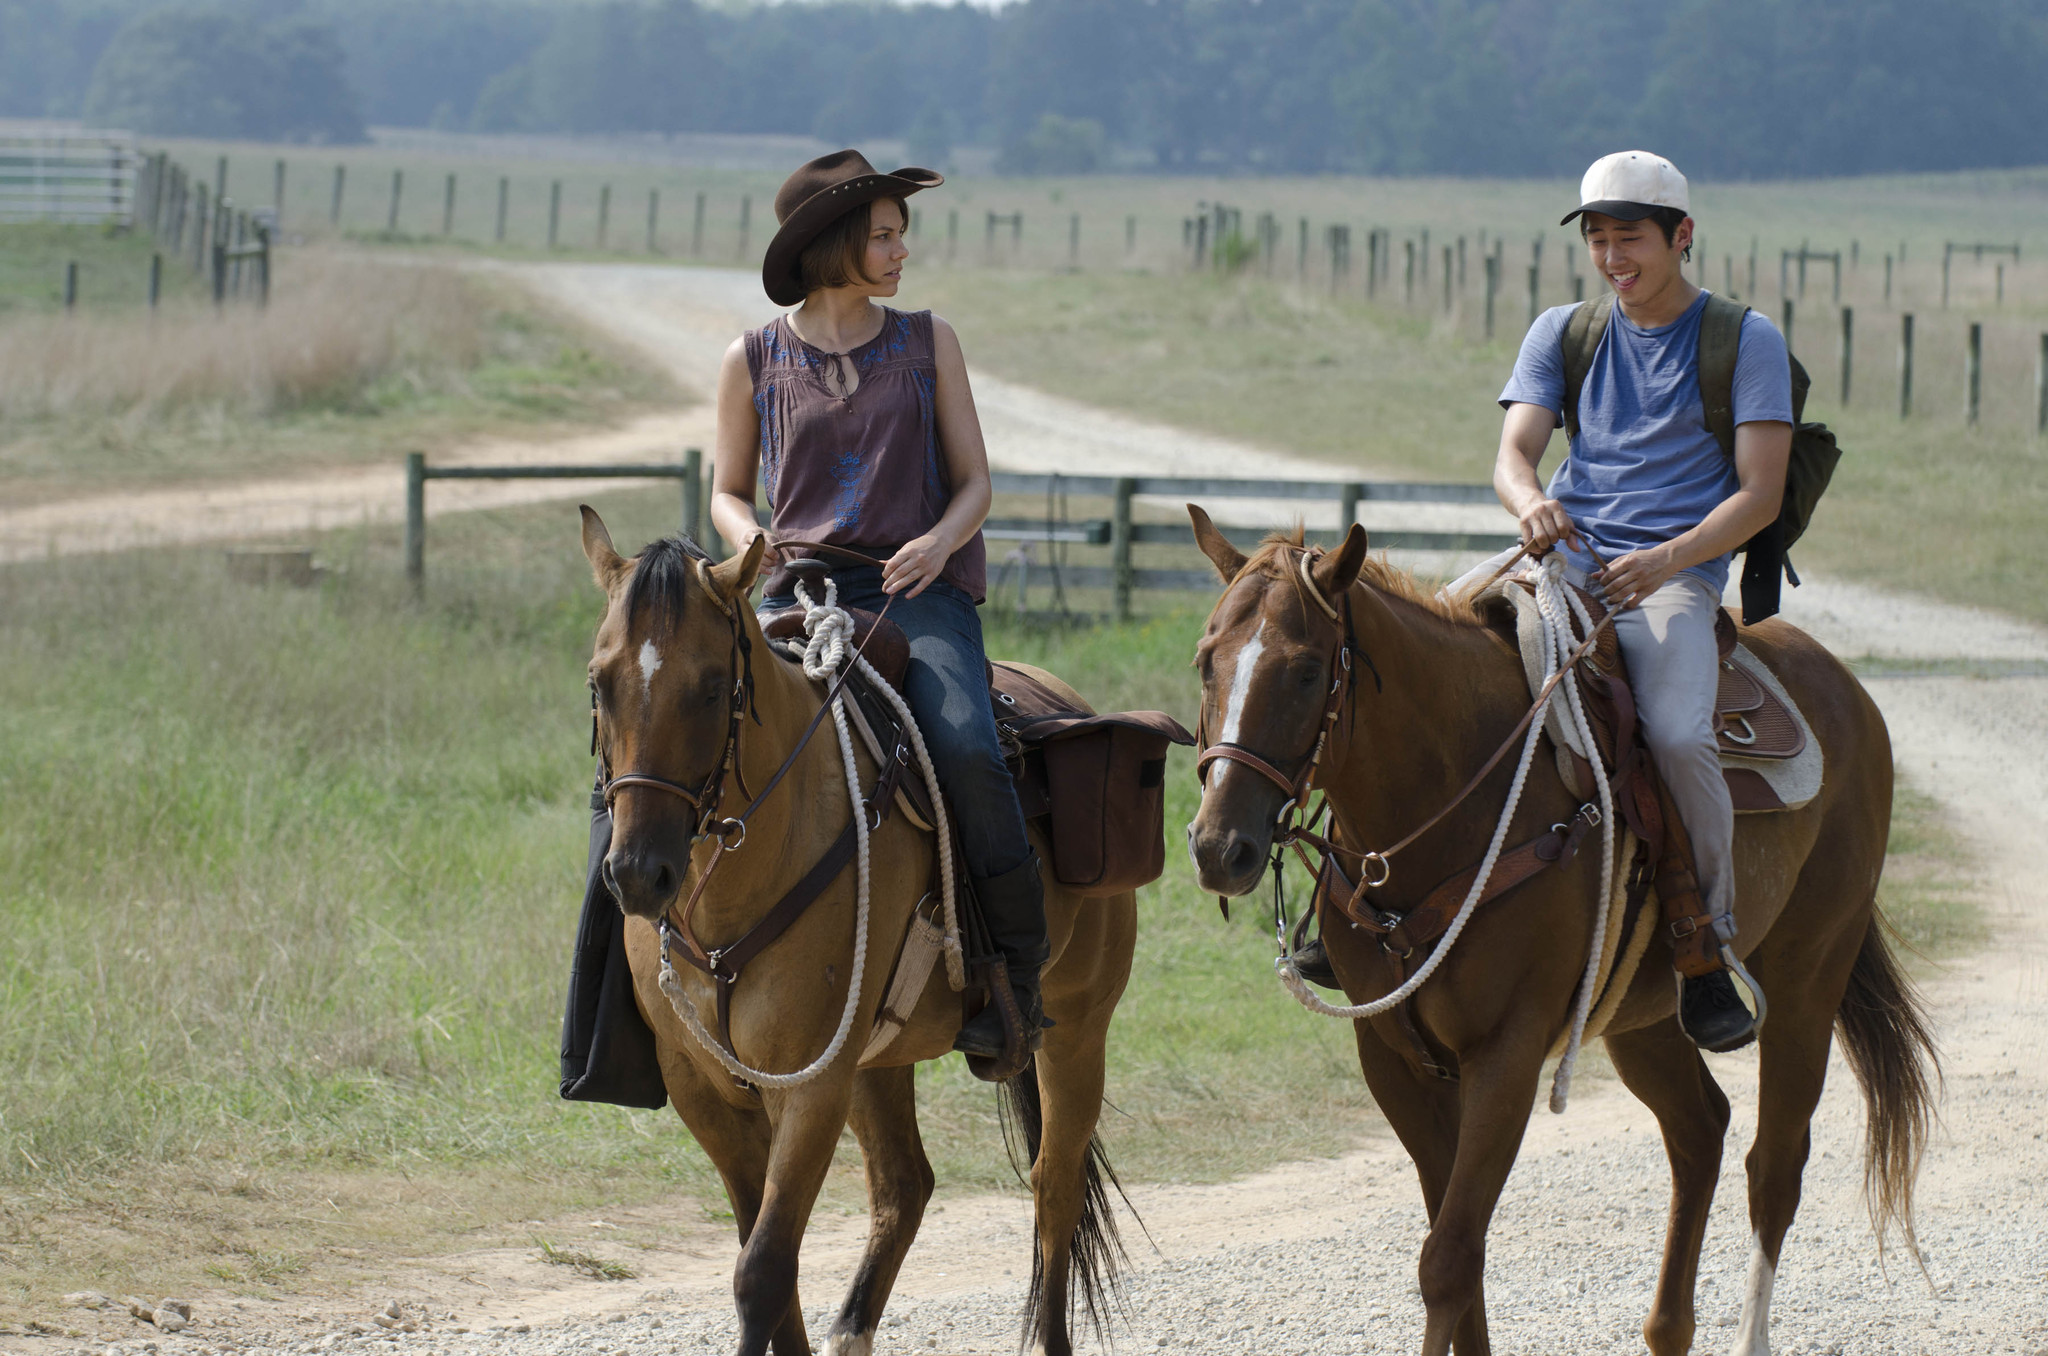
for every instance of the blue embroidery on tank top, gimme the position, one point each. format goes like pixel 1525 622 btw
pixel 846 472
pixel 768 416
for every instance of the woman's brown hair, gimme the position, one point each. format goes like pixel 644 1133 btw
pixel 835 255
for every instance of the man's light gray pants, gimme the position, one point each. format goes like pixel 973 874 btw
pixel 1674 669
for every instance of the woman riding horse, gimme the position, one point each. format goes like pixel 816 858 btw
pixel 859 418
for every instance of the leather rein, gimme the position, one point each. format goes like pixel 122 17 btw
pixel 1375 868
pixel 729 834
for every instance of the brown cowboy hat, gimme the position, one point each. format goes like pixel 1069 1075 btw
pixel 817 195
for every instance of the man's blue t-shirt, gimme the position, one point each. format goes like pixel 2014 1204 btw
pixel 1645 468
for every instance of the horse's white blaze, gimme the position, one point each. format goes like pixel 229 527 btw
pixel 650 664
pixel 1240 688
pixel 1753 1334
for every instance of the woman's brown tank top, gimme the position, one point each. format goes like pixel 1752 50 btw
pixel 861 470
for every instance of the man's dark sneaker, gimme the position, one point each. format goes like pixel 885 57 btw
pixel 1712 1015
pixel 1312 962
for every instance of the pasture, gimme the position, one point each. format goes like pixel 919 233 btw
pixel 293 873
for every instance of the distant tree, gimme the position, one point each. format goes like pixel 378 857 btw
pixel 408 58
pixel 217 73
pixel 1056 146
pixel 932 134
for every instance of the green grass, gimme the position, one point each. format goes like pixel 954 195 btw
pixel 1928 504
pixel 113 269
pixel 293 877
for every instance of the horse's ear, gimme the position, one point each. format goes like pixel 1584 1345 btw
pixel 1335 570
pixel 1227 559
pixel 606 564
pixel 735 576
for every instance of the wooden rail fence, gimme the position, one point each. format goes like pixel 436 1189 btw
pixel 1119 531
pixel 77 177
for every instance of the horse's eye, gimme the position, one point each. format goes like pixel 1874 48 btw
pixel 1308 675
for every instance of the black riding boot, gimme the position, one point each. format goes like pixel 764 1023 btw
pixel 1013 905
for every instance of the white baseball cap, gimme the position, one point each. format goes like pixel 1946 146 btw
pixel 1629 185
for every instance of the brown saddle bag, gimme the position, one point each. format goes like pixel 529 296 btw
pixel 1099 782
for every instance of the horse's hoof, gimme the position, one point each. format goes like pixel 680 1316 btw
pixel 850 1344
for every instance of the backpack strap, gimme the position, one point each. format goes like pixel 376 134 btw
pixel 1720 337
pixel 1582 336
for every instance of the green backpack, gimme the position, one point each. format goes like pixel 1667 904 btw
pixel 1814 450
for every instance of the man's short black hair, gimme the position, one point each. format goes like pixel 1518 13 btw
pixel 1668 220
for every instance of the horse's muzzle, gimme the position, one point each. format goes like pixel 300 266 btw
pixel 1227 861
pixel 644 880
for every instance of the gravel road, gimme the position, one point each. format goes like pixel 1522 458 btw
pixel 1320 1257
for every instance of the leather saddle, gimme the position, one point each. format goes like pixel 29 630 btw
pixel 1750 720
pixel 1094 782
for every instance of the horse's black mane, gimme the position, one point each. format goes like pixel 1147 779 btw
pixel 661 579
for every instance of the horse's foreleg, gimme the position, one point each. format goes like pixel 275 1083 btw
pixel 884 1119
pixel 806 1129
pixel 1664 1070
pixel 1498 1085
pixel 1423 1110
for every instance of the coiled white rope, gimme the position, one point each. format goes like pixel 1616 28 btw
pixel 828 626
pixel 1556 604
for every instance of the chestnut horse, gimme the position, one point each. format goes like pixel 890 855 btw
pixel 1438 687
pixel 674 658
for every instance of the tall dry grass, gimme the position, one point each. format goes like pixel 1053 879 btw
pixel 335 327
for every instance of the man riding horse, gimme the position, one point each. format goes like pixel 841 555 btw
pixel 1647 506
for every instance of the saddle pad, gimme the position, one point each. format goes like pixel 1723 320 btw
pixel 1782 771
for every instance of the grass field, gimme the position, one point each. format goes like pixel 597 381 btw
pixel 356 360
pixel 293 880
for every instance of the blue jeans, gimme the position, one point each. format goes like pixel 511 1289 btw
pixel 946 686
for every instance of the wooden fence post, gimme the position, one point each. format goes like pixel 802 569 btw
pixel 1347 505
pixel 1848 349
pixel 1947 251
pixel 1301 252
pixel 1973 371
pixel 1447 280
pixel 952 233
pixel 693 494
pixel 1786 328
pixel 1461 263
pixel 416 520
pixel 1492 286
pixel 2041 388
pixel 746 215
pixel 71 285
pixel 277 194
pixel 1533 304
pixel 334 207
pixel 554 212
pixel 397 190
pixel 604 213
pixel 1998 296
pixel 1120 545
pixel 697 229
pixel 1887 280
pixel 1074 240
pixel 156 278
pixel 1838 277
pixel 1408 274
pixel 220 179
pixel 653 219
pixel 1906 365
pixel 1372 261
pixel 504 194
pixel 448 207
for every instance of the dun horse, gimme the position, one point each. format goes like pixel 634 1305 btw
pixel 1435 690
pixel 682 678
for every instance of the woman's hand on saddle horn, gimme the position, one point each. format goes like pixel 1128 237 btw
pixel 1628 581
pixel 915 565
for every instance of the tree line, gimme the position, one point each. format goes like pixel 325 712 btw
pixel 1727 88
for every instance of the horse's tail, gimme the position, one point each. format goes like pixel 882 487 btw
pixel 1885 1036
pixel 1095 1266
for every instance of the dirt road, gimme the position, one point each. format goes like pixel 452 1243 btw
pixel 1320 1257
